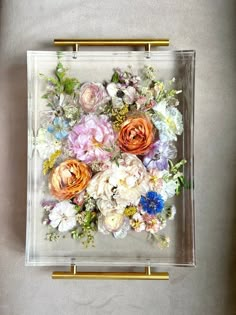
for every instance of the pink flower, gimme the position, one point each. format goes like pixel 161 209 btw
pixel 92 95
pixel 152 223
pixel 79 199
pixel 155 180
pixel 137 222
pixel 90 139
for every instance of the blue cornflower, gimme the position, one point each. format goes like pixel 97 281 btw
pixel 59 128
pixel 153 203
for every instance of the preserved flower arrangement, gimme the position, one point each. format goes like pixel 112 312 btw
pixel 109 155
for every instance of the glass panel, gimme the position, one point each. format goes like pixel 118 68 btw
pixel 134 249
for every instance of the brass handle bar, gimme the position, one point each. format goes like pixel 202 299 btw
pixel 146 275
pixel 147 43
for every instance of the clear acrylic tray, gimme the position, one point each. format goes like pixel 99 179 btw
pixel 134 249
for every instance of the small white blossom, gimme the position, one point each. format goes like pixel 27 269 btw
pixel 172 212
pixel 137 222
pixel 168 120
pixel 46 144
pixel 63 216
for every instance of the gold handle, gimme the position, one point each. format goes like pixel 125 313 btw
pixel 146 275
pixel 147 43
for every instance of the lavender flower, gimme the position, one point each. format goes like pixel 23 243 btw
pixel 159 155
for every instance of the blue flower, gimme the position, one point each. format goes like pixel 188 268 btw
pixel 153 203
pixel 59 128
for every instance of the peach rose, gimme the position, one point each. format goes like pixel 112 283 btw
pixel 68 179
pixel 92 95
pixel 136 135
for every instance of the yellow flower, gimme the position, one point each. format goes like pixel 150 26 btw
pixel 129 211
pixel 119 116
pixel 48 164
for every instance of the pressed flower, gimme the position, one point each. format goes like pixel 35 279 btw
pixel 68 179
pixel 159 154
pixel 137 222
pixel 120 185
pixel 121 94
pixel 152 224
pixel 156 181
pixel 63 216
pixel 169 189
pixel 152 203
pixel 136 135
pixel 118 116
pixel 129 211
pixel 125 78
pixel 46 144
pixel 48 164
pixel 168 120
pixel 79 198
pixel 90 139
pixel 162 183
pixel 114 223
pixel 92 95
pixel 59 128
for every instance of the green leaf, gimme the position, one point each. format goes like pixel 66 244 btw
pixel 45 96
pixel 181 163
pixel 77 208
pixel 60 71
pixel 69 85
pixel 115 77
pixel 52 80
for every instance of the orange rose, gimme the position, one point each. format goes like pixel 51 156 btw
pixel 136 135
pixel 68 179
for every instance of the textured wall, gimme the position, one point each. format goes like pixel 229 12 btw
pixel 205 25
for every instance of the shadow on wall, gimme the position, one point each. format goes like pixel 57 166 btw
pixel 16 96
pixel 14 86
pixel 231 272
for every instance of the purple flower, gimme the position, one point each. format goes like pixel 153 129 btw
pixel 159 155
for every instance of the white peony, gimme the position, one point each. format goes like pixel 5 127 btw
pixel 120 185
pixel 63 216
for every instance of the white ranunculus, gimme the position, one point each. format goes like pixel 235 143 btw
pixel 62 216
pixel 114 223
pixel 119 186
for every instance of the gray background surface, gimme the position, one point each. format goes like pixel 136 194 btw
pixel 205 25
